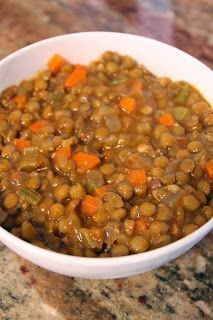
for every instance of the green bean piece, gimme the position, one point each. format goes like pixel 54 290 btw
pixel 181 113
pixel 28 163
pixel 89 240
pixel 182 94
pixel 31 196
pixel 30 150
pixel 119 81
pixel 33 161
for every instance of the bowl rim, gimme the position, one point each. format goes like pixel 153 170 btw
pixel 111 33
pixel 111 261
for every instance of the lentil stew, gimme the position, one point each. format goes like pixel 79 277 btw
pixel 104 160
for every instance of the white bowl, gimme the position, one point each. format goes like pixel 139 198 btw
pixel 162 60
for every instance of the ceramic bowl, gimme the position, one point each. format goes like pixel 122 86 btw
pixel 162 60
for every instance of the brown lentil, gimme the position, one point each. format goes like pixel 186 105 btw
pixel 77 191
pixel 161 162
pixel 161 240
pixel 187 165
pixel 147 209
pixel 199 220
pixel 61 192
pixel 158 227
pixel 164 213
pixel 204 186
pixel 10 201
pixel 113 199
pixel 208 212
pixel 194 146
pixel 190 203
pixel 167 140
pixel 28 231
pixel 182 178
pixel 139 244
pixel 140 189
pixel 118 214
pixel 56 211
pixel 189 228
pixel 125 190
pixel 119 250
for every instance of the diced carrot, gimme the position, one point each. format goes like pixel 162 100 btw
pixel 137 177
pixel 20 100
pixel 38 125
pixel 55 63
pixel 86 161
pixel 140 226
pixel 22 143
pixel 63 152
pixel 128 104
pixel 89 205
pixel 209 169
pixel 78 75
pixel 166 119
pixel 18 177
pixel 100 191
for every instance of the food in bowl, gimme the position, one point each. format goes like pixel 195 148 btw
pixel 105 160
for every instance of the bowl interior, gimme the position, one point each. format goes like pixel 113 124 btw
pixel 162 60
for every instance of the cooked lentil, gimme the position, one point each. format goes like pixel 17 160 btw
pixel 105 160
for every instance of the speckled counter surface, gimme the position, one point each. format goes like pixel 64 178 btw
pixel 179 290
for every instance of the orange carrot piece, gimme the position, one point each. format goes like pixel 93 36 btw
pixel 22 143
pixel 128 104
pixel 209 169
pixel 20 100
pixel 78 75
pixel 137 177
pixel 100 191
pixel 38 125
pixel 166 119
pixel 55 63
pixel 63 152
pixel 89 205
pixel 140 226
pixel 86 161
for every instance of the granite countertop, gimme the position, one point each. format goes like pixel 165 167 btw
pixel 179 290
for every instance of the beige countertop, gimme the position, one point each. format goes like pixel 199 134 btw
pixel 180 290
